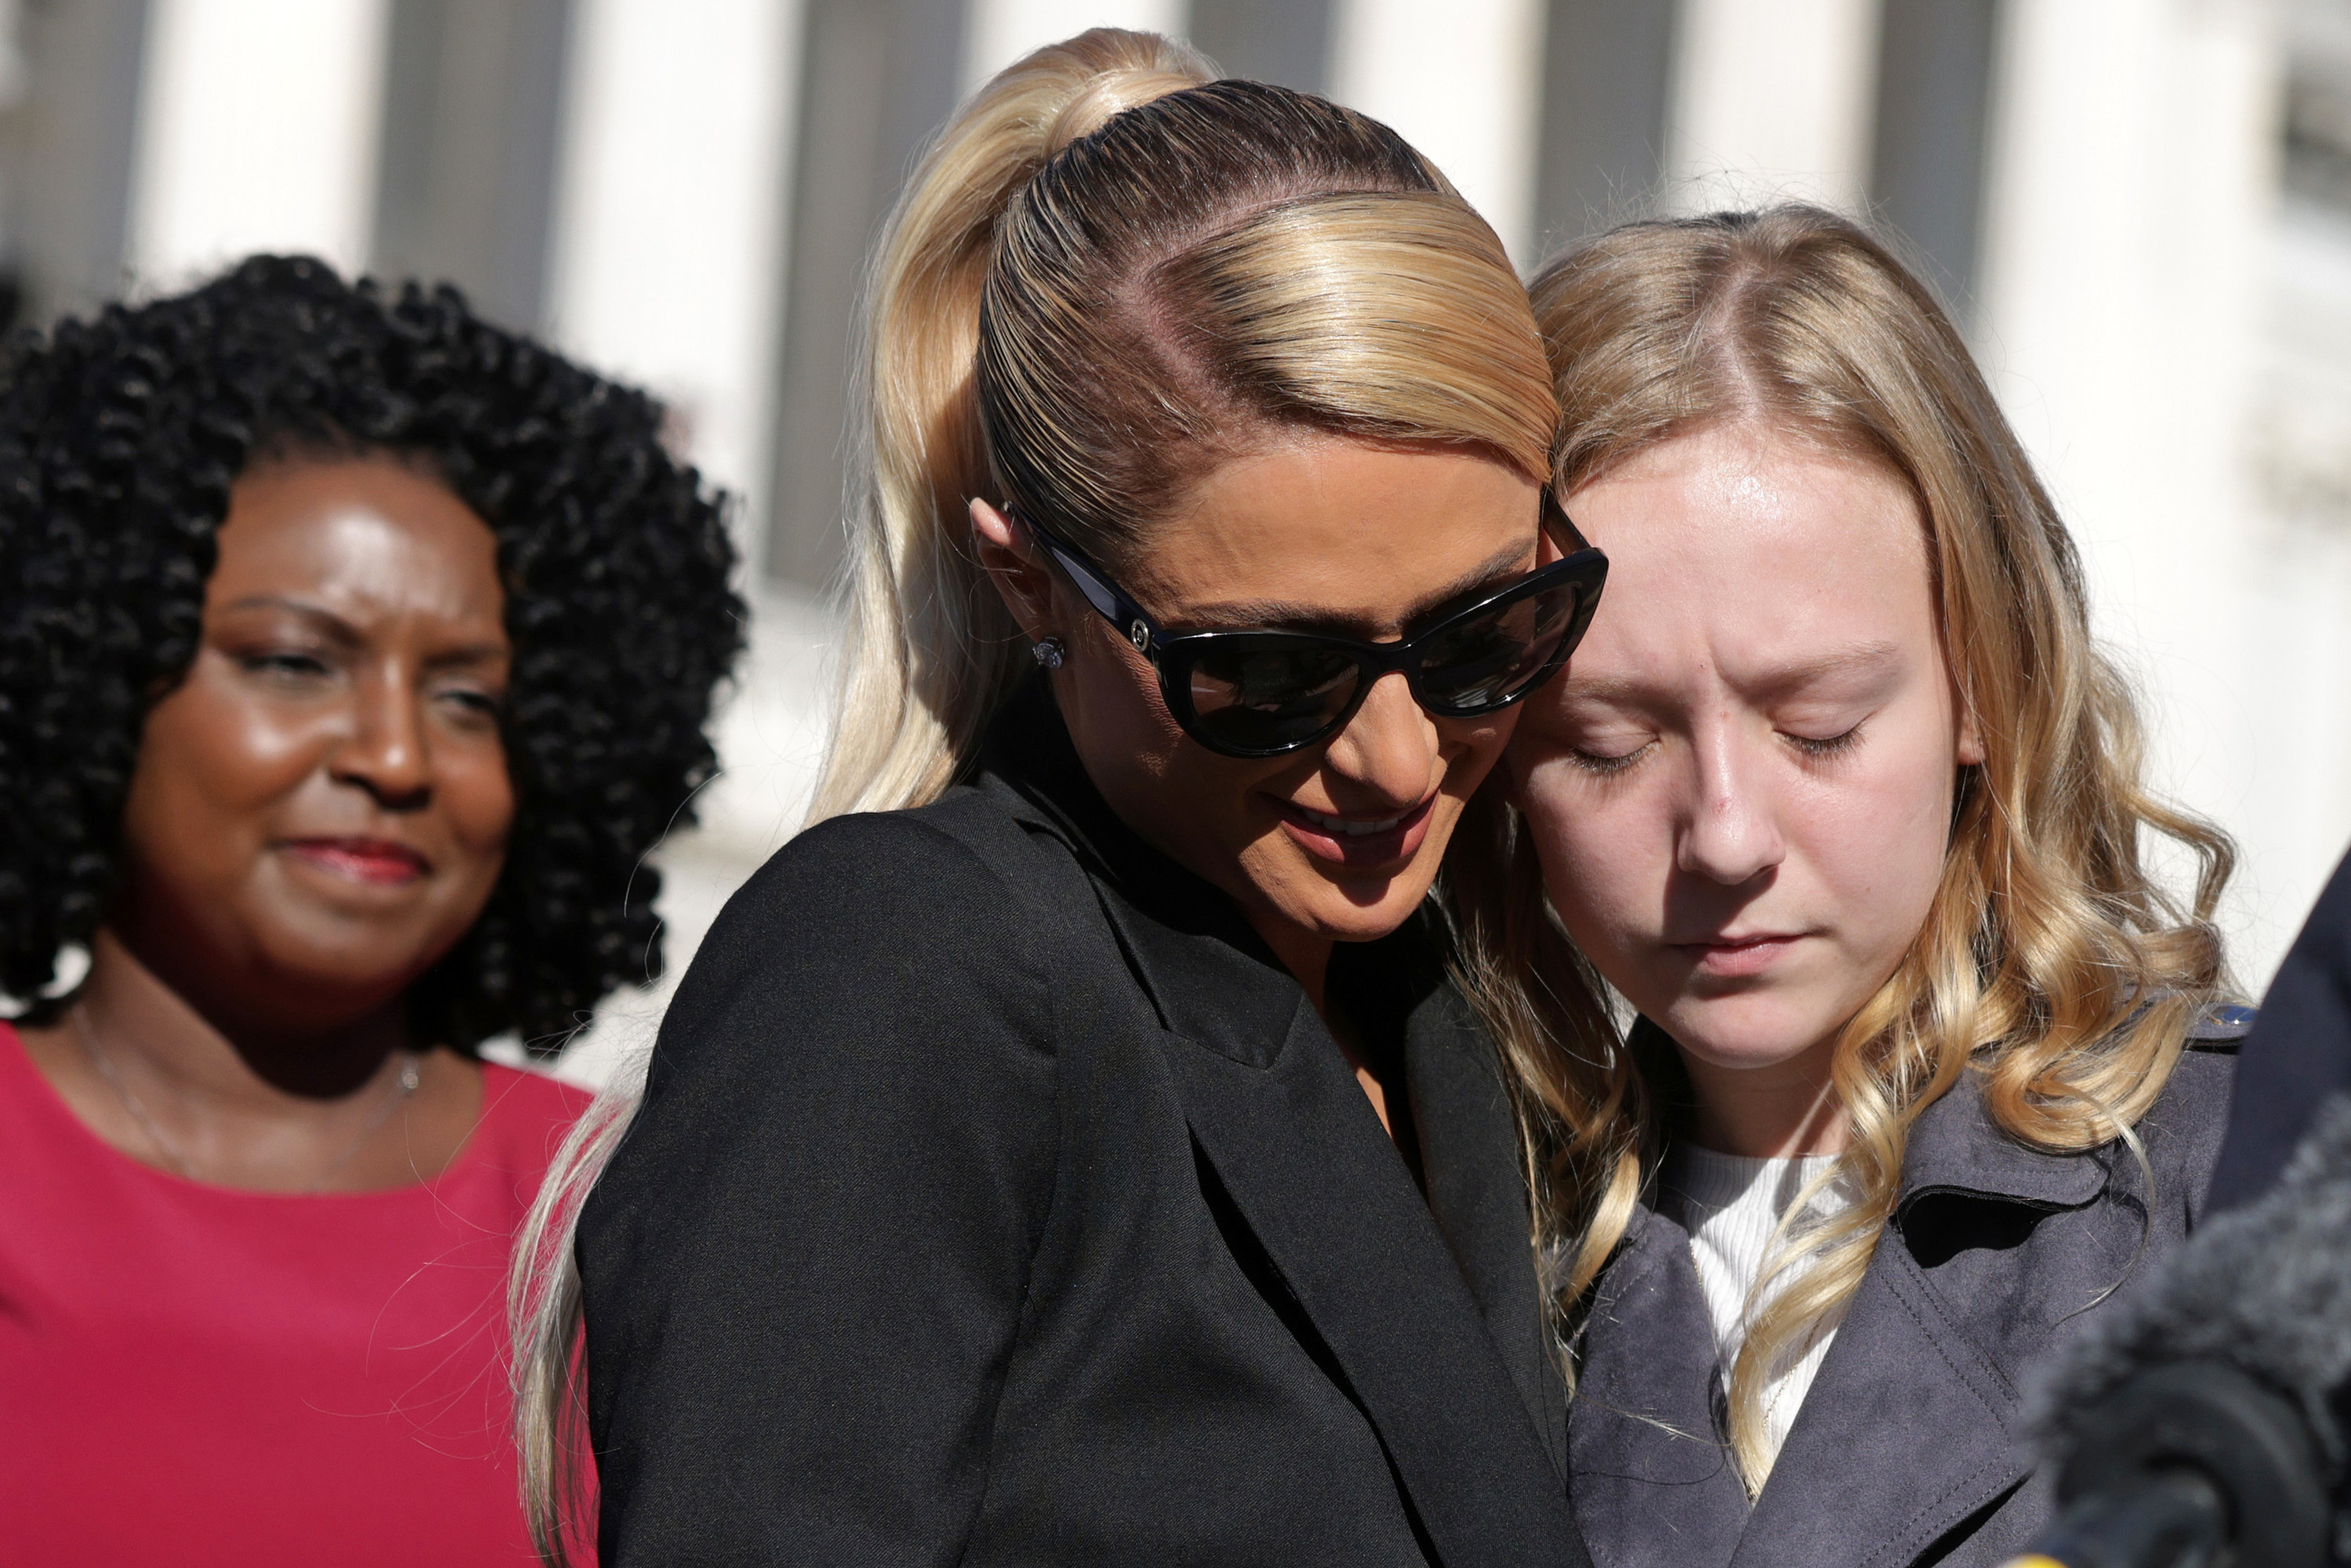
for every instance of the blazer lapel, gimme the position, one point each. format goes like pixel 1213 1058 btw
pixel 1275 1110
pixel 1476 1191
pixel 1307 1164
pixel 1653 1484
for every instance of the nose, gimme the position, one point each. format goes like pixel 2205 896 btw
pixel 387 753
pixel 1730 832
pixel 1388 750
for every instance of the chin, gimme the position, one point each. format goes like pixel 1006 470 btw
pixel 1366 923
pixel 1356 910
pixel 366 965
pixel 1741 1032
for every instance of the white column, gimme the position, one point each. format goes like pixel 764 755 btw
pixel 1462 82
pixel 998 32
pixel 668 271
pixel 671 213
pixel 1772 100
pixel 2126 242
pixel 258 123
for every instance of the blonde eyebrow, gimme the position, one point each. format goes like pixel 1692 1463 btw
pixel 1632 691
pixel 1858 657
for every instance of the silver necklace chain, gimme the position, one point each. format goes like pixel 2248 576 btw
pixel 404 1085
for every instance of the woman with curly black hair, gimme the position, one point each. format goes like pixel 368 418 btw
pixel 352 654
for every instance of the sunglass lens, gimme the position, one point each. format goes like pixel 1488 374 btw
pixel 1270 698
pixel 1486 661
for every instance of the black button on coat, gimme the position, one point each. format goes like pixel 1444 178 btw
pixel 997 1198
pixel 1910 1449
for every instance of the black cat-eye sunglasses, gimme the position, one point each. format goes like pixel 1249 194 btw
pixel 1264 692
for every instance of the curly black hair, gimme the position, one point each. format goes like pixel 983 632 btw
pixel 120 438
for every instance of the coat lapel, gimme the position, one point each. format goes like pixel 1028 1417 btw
pixel 1908 1430
pixel 1653 1485
pixel 1908 1396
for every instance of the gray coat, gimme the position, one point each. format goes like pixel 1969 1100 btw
pixel 1908 1448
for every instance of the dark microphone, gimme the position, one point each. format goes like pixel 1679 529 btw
pixel 2201 1424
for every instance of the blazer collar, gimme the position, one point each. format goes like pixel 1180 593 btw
pixel 1908 1428
pixel 1296 1146
pixel 1208 972
pixel 1411 1297
pixel 1476 1190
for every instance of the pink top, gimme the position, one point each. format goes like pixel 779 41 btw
pixel 195 1374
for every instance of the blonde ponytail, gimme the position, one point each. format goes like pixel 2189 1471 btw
pixel 1108 275
pixel 544 1322
pixel 927 651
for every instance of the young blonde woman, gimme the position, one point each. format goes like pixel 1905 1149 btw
pixel 1841 804
pixel 1069 1151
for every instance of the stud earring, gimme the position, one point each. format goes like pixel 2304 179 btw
pixel 1049 651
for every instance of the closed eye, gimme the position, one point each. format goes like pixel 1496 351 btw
pixel 1604 763
pixel 1826 745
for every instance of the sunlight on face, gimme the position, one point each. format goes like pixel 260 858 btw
pixel 1340 839
pixel 321 806
pixel 1742 789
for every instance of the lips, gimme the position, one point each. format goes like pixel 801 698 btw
pixel 1351 827
pixel 1358 841
pixel 377 861
pixel 1732 956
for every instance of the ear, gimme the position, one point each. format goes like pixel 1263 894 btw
pixel 1014 563
pixel 1970 748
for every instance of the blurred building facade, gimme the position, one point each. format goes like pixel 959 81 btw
pixel 2140 209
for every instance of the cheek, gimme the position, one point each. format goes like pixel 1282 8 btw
pixel 1182 798
pixel 1606 849
pixel 1110 699
pixel 1878 843
pixel 1217 806
pixel 212 763
pixel 1469 750
pixel 478 793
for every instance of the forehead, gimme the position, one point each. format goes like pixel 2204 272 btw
pixel 1361 532
pixel 1740 545
pixel 357 536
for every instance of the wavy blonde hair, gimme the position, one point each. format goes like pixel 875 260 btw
pixel 2052 961
pixel 1110 273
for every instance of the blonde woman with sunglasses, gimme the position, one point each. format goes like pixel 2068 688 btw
pixel 1069 1149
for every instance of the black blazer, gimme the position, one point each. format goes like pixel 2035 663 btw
pixel 1910 1448
pixel 997 1198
